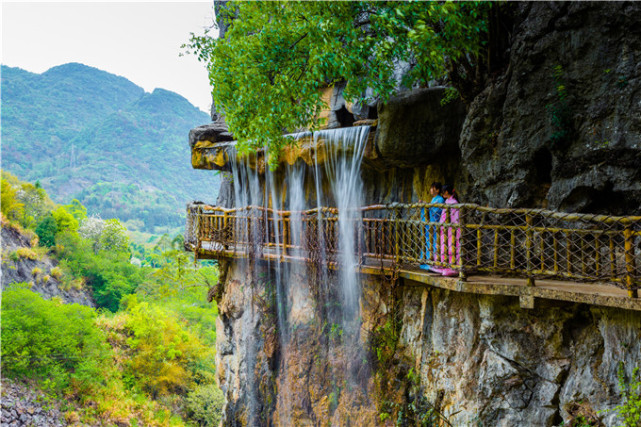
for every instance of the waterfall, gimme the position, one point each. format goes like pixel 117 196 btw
pixel 247 193
pixel 344 148
pixel 335 175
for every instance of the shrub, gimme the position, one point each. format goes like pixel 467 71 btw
pixel 13 256
pixel 46 231
pixel 56 273
pixel 204 405
pixel 78 283
pixel 46 278
pixel 165 355
pixel 57 344
pixel 26 253
pixel 630 409
pixel 36 271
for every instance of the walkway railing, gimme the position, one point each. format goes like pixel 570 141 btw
pixel 530 243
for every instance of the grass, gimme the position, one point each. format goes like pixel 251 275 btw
pixel 27 253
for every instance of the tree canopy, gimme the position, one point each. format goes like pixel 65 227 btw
pixel 268 70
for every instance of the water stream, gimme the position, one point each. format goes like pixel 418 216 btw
pixel 336 183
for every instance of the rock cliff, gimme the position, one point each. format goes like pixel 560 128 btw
pixel 558 126
pixel 478 360
pixel 20 264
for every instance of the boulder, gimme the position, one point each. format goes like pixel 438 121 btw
pixel 210 134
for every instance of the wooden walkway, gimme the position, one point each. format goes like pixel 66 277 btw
pixel 601 294
pixel 529 254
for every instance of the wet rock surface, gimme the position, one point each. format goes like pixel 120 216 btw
pixel 22 406
pixel 415 129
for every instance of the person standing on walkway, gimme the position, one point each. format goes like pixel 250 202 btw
pixel 450 245
pixel 434 217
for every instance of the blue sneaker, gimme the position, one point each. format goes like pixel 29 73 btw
pixel 425 267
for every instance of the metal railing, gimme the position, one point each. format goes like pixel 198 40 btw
pixel 471 239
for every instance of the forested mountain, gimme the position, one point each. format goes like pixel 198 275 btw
pixel 87 134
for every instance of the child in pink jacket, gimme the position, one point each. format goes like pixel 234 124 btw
pixel 450 249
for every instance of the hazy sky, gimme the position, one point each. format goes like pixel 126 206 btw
pixel 137 40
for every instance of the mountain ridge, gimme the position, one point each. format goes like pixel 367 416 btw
pixel 89 134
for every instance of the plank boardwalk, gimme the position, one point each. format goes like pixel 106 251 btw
pixel 526 253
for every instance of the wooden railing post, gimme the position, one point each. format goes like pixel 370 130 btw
pixel 397 250
pixel 285 234
pixel 629 262
pixel 528 249
pixel 199 237
pixel 462 243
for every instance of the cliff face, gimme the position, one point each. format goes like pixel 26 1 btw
pixel 475 359
pixel 560 127
pixel 562 124
pixel 37 272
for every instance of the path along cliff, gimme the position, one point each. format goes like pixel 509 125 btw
pixel 558 127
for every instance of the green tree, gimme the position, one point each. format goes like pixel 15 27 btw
pixel 64 220
pixel 304 46
pixel 46 230
pixel 50 341
pixel 108 272
pixel 12 208
pixel 76 209
pixel 114 237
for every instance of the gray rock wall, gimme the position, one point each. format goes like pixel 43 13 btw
pixel 22 406
pixel 479 360
pixel 43 282
pixel 513 149
pixel 495 363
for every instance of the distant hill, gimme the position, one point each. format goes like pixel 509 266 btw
pixel 87 134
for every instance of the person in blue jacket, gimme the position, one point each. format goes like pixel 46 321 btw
pixel 434 216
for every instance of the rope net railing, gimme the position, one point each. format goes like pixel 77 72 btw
pixel 468 239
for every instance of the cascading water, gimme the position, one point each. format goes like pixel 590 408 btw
pixel 337 182
pixel 247 193
pixel 344 150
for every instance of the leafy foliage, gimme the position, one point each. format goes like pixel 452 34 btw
pixel 12 208
pixel 161 339
pixel 108 271
pixel 64 220
pixel 630 409
pixel 165 354
pixel 46 231
pixel 50 341
pixel 204 405
pixel 23 202
pixel 304 46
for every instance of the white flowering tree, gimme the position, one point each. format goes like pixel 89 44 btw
pixel 110 234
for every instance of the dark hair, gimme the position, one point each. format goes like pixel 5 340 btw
pixel 449 188
pixel 436 185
